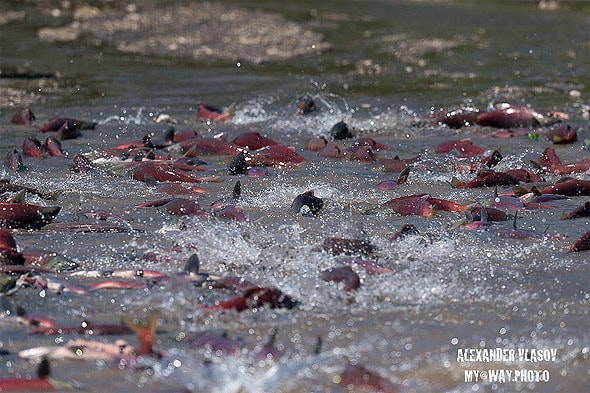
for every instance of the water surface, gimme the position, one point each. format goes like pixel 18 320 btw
pixel 390 63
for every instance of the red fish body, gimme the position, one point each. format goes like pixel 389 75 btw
pixel 571 187
pixel 27 385
pixel 343 274
pixel 85 329
pixel 510 116
pixel 13 161
pixel 208 146
pixel 42 383
pixel 67 128
pixel 184 207
pixel 316 144
pixel 358 379
pixel 23 117
pixel 524 175
pixel 253 140
pixel 396 164
pixel 582 211
pixel 53 147
pixel 185 136
pixel 161 172
pixel 412 205
pixel 551 161
pixel 362 153
pixel 568 169
pixel 172 188
pixel 37 257
pixel 32 147
pixel 24 215
pixel 562 134
pixel 581 244
pixel 333 150
pixel 254 298
pixel 9 254
pixel 387 185
pixel 117 284
pixel 456 118
pixel 57 123
pixel 448 206
pixel 491 179
pixel 230 212
pixel 177 207
pixel 549 158
pixel 276 156
pixel 490 214
pixel 464 146
pixel 208 112
pixel 507 202
pixel 370 142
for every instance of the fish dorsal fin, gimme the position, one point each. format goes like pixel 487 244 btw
pixel 318 346
pixel 43 371
pixel 237 191
pixel 483 214
pixel 19 197
pixel 456 182
pixel 147 140
pixel 270 342
pixel 149 180
pixel 469 215
pixel 403 175
pixel 191 152
pixel 169 135
pixel 192 265
pixel 536 165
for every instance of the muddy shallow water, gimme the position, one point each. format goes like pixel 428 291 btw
pixel 382 65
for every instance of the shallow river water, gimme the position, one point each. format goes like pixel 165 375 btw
pixel 381 66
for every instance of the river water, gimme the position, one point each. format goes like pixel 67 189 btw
pixel 384 65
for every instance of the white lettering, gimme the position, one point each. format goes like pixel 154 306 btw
pixel 471 375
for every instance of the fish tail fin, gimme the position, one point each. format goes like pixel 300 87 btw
pixel 536 165
pixel 520 191
pixel 456 183
pixel 145 329
pixel 231 110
